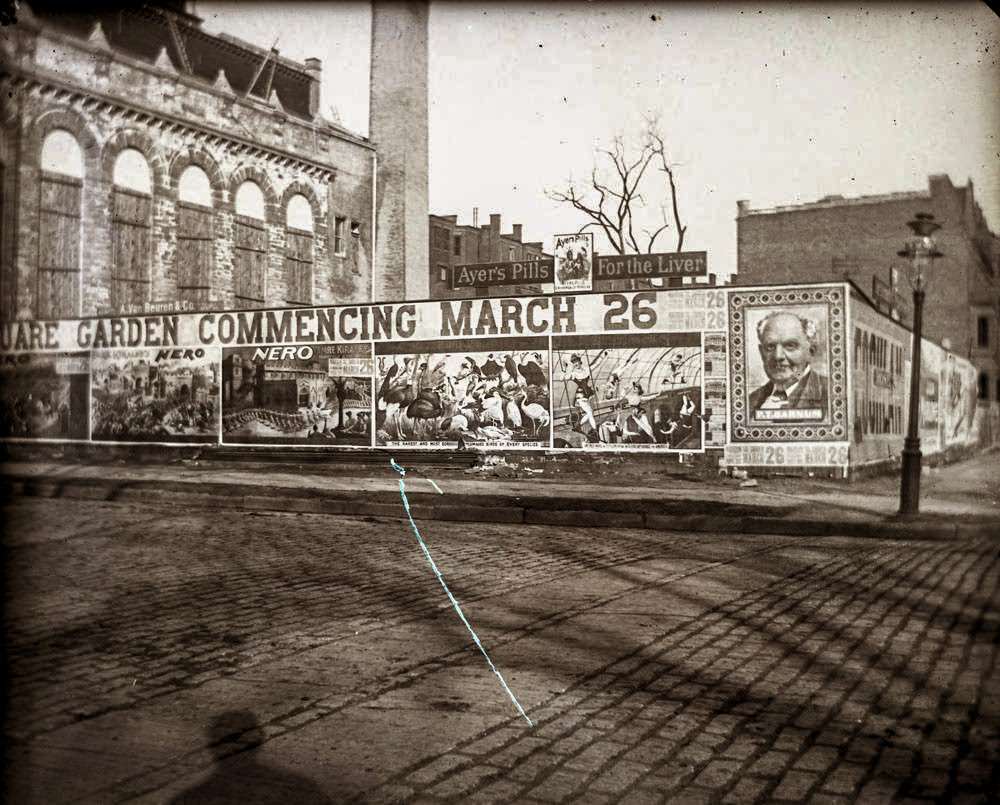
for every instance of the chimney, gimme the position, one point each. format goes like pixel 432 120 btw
pixel 398 128
pixel 742 207
pixel 314 67
pixel 475 216
pixel 495 222
pixel 517 232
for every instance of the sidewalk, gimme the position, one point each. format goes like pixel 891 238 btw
pixel 959 500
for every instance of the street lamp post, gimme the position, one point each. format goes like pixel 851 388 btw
pixel 921 250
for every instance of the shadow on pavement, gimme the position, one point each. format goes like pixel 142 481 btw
pixel 235 732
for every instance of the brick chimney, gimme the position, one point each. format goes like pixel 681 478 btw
pixel 315 69
pixel 398 128
pixel 495 222
pixel 517 232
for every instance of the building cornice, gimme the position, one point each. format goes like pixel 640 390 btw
pixel 826 204
pixel 194 82
pixel 92 101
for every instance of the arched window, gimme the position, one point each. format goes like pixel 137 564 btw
pixel 298 251
pixel 250 249
pixel 194 187
pixel 59 204
pixel 195 235
pixel 131 230
pixel 61 154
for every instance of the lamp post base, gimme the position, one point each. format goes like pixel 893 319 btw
pixel 909 492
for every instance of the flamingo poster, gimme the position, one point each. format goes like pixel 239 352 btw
pixel 628 392
pixel 466 392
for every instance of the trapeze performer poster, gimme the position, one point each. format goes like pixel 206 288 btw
pixel 632 392
pixel 464 392
pixel 316 395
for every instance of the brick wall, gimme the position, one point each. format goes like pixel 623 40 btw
pixel 858 240
pixel 110 102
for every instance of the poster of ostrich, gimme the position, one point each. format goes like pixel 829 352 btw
pixel 628 392
pixel 44 396
pixel 312 395
pixel 155 395
pixel 463 393
pixel 574 262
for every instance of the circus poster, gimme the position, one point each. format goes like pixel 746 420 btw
pixel 44 396
pixel 628 392
pixel 155 395
pixel 488 393
pixel 308 395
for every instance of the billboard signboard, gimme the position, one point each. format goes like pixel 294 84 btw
pixel 515 272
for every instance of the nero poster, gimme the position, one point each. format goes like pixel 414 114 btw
pixel 155 395
pixel 316 395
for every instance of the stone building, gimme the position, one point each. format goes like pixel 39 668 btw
pixel 857 239
pixel 147 164
pixel 452 244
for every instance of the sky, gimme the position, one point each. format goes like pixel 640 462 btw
pixel 780 103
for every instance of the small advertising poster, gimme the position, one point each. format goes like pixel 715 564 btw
pixel 574 259
pixel 155 395
pixel 315 395
pixel 489 393
pixel 44 396
pixel 788 368
pixel 628 392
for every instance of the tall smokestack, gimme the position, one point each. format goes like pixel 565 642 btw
pixel 398 128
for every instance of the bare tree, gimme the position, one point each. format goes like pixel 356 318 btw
pixel 619 205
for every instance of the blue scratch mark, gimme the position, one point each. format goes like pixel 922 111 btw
pixel 454 603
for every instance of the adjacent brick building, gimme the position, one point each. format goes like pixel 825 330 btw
pixel 144 160
pixel 452 244
pixel 857 239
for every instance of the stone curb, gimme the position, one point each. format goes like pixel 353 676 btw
pixel 502 510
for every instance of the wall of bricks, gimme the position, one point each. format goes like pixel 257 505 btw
pixel 109 102
pixel 480 244
pixel 858 240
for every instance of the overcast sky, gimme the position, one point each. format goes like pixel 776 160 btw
pixel 778 104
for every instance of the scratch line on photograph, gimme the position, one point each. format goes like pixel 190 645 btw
pixel 454 602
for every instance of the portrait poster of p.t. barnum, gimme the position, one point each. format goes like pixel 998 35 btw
pixel 155 395
pixel 313 395
pixel 788 365
pixel 468 392
pixel 574 262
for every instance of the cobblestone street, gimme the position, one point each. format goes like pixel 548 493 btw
pixel 282 657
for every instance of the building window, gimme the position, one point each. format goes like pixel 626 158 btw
pixel 195 236
pixel 355 229
pixel 456 245
pixel 249 247
pixel 131 241
pixel 983 331
pixel 984 386
pixel 339 246
pixel 61 188
pixel 443 273
pixel 299 251
pixel 510 253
